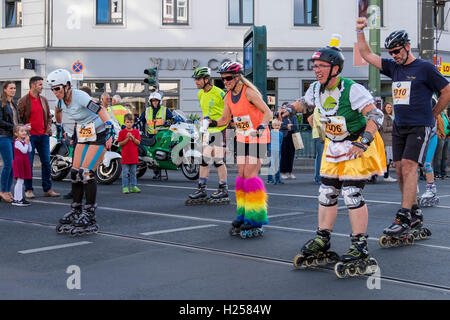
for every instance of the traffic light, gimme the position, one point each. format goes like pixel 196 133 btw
pixel 152 76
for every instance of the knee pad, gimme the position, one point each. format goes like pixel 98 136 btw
pixel 87 175
pixel 205 162
pixel 328 195
pixel 218 163
pixel 353 197
pixel 75 175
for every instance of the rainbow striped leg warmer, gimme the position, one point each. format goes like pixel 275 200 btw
pixel 255 202
pixel 240 198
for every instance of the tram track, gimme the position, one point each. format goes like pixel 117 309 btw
pixel 248 256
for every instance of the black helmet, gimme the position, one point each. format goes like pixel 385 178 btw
pixel 331 55
pixel 396 39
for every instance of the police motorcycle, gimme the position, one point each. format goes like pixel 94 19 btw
pixel 177 146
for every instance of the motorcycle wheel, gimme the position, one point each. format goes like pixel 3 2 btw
pixel 191 171
pixel 57 175
pixel 140 172
pixel 107 175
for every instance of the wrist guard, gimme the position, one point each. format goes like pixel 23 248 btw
pixel 109 130
pixel 366 138
pixel 213 123
pixel 359 145
pixel 59 131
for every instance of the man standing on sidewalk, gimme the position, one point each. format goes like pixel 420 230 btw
pixel 413 83
pixel 34 110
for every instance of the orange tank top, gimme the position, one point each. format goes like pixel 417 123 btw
pixel 247 118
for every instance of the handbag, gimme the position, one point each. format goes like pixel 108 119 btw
pixel 298 141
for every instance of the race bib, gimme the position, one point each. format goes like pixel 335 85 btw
pixel 401 91
pixel 335 128
pixel 205 138
pixel 86 133
pixel 243 125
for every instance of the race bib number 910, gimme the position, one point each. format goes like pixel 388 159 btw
pixel 401 91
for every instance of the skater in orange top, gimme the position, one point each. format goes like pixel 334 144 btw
pixel 251 116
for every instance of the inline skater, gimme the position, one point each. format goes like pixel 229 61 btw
pixel 94 133
pixel 353 153
pixel 211 103
pixel 414 82
pixel 251 116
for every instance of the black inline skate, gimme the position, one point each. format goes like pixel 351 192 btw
pixel 418 231
pixel 249 231
pixel 315 251
pixel 236 227
pixel 356 261
pixel 399 233
pixel 65 223
pixel 85 224
pixel 220 196
pixel 198 197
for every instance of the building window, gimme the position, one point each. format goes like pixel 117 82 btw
pixel 13 11
pixel 109 11
pixel 175 12
pixel 171 93
pixel 240 12
pixel 306 12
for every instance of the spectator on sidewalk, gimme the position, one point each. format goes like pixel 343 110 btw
pixel 288 127
pixel 274 152
pixel 8 120
pixel 35 111
pixel 386 135
pixel 440 157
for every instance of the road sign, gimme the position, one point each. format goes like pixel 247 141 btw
pixel 77 67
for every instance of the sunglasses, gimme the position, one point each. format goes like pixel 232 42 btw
pixel 396 51
pixel 56 89
pixel 229 78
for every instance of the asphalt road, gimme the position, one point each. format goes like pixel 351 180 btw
pixel 151 246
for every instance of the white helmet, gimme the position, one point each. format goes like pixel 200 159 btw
pixel 59 76
pixel 155 95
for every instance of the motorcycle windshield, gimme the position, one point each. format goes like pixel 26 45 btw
pixel 180 114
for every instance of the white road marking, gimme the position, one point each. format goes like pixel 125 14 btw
pixel 62 246
pixel 178 229
pixel 286 195
pixel 168 215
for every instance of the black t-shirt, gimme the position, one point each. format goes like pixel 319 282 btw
pixel 412 88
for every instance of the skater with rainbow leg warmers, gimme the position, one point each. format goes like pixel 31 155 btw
pixel 251 115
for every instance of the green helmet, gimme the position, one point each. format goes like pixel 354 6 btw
pixel 201 72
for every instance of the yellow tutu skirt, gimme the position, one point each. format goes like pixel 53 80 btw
pixel 372 162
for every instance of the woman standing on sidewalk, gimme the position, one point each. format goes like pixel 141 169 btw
pixel 8 119
pixel 289 126
pixel 251 116
pixel 386 135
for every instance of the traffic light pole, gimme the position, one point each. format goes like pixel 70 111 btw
pixel 374 42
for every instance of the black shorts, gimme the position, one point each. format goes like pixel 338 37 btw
pixel 256 150
pixel 410 143
pixel 101 139
pixel 217 139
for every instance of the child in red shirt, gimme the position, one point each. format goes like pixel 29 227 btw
pixel 129 139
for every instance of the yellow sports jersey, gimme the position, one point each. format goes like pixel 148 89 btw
pixel 211 103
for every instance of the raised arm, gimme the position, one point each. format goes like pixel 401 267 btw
pixel 363 46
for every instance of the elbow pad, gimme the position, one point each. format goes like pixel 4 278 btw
pixel 377 116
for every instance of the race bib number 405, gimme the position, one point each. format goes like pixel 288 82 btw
pixel 401 91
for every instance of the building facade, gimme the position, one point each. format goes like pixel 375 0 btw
pixel 113 41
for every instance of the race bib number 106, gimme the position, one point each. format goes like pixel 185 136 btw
pixel 401 91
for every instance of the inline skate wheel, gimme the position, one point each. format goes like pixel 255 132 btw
pixel 339 270
pixel 384 243
pixel 427 231
pixel 298 261
pixel 373 266
pixel 409 240
pixel 309 261
pixel 350 270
